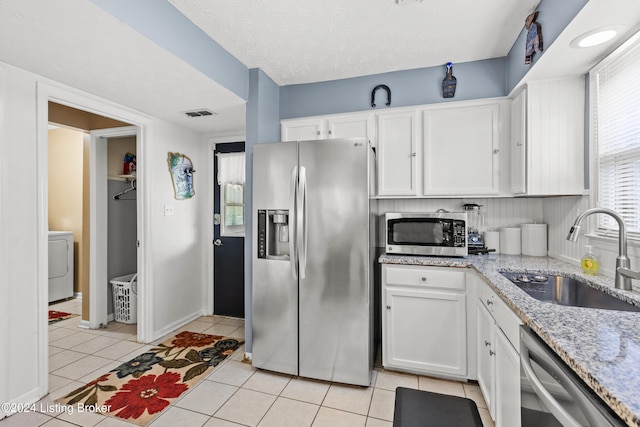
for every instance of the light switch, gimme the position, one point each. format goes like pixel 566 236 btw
pixel 168 210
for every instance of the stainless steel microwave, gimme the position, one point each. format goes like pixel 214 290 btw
pixel 431 233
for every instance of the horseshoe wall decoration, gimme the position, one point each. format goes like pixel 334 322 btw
pixel 373 95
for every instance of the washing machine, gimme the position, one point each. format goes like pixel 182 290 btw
pixel 60 265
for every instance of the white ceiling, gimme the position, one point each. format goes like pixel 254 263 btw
pixel 295 41
pixel 79 44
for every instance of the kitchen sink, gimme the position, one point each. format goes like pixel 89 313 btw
pixel 562 290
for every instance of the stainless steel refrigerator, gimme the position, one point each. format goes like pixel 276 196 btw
pixel 313 254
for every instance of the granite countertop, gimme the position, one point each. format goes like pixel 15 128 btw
pixel 601 346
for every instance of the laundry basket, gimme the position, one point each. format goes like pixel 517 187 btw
pixel 125 298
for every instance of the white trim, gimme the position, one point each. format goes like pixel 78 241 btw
pixel 175 325
pixel 98 221
pixel 48 91
pixel 4 247
pixel 84 324
pixel 25 400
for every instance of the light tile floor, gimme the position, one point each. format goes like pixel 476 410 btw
pixel 234 394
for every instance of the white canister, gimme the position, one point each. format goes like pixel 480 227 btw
pixel 534 239
pixel 492 240
pixel 510 241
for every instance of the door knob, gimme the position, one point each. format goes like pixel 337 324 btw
pixel 217 242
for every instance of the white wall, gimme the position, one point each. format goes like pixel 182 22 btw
pixel 175 258
pixel 178 261
pixel 21 374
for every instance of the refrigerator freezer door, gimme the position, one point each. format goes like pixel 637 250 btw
pixel 335 316
pixel 275 290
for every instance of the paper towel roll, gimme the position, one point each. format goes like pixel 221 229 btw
pixel 492 240
pixel 510 240
pixel 534 239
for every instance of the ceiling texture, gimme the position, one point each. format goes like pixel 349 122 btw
pixel 295 41
pixel 77 43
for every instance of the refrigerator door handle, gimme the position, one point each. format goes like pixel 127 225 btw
pixel 302 222
pixel 293 252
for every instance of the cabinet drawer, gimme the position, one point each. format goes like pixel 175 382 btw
pixel 505 318
pixel 432 277
pixel 508 321
pixel 486 296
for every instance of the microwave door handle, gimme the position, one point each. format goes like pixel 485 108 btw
pixel 550 402
pixel 293 250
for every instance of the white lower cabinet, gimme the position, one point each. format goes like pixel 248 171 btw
pixel 426 329
pixel 507 378
pixel 486 359
pixel 424 320
pixel 498 357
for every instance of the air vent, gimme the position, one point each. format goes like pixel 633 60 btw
pixel 199 113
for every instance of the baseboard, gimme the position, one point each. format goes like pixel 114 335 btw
pixel 248 357
pixel 77 295
pixel 175 325
pixel 84 324
pixel 111 317
pixel 21 403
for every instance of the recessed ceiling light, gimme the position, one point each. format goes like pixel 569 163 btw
pixel 596 37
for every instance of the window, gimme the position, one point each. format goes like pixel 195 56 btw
pixel 615 109
pixel 231 178
pixel 232 209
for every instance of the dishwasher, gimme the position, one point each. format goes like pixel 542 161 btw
pixel 552 395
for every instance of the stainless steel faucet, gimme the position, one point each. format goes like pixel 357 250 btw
pixel 623 270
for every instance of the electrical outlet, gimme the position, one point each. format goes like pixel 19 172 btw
pixel 169 210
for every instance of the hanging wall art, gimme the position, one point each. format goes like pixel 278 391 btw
pixel 181 170
pixel 449 83
pixel 534 37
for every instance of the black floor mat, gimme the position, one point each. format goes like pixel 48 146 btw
pixel 415 408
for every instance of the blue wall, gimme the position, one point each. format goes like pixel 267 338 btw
pixel 478 79
pixel 165 25
pixel 263 125
pixel 553 16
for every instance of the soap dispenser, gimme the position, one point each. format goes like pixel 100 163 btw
pixel 590 264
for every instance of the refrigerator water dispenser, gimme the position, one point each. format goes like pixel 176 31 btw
pixel 273 234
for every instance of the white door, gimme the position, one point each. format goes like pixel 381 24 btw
pixel 426 331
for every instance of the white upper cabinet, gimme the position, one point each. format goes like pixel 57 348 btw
pixel 396 154
pixel 547 138
pixel 351 126
pixel 461 150
pixel 326 127
pixel 302 129
pixel 453 149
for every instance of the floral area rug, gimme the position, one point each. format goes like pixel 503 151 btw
pixel 138 390
pixel 57 316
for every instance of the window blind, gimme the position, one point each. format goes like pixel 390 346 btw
pixel 615 109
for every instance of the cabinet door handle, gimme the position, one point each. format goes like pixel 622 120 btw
pixel 487 343
pixel 518 144
pixel 496 151
pixel 424 279
pixel 492 353
pixel 413 154
pixel 489 302
pixel 388 307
